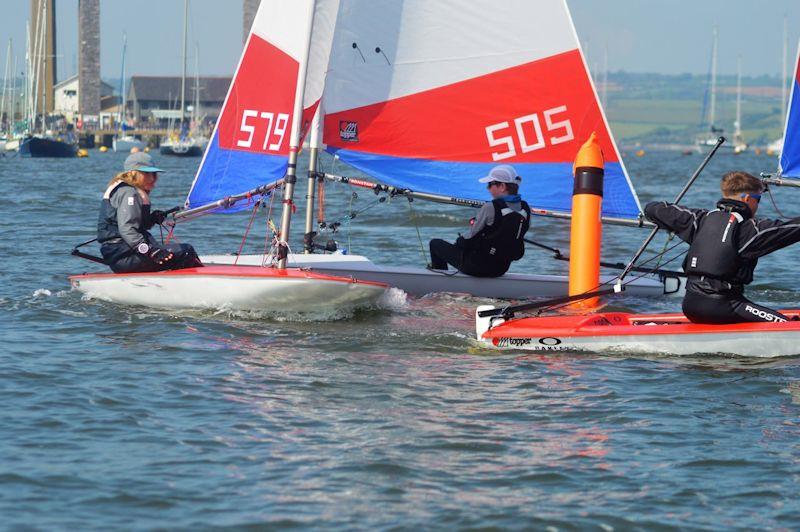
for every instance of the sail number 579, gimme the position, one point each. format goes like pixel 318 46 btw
pixel 527 133
pixel 273 126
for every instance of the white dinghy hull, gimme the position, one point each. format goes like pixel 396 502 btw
pixel 420 281
pixel 245 288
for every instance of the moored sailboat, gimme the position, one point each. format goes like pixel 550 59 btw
pixel 122 141
pixel 38 141
pixel 184 143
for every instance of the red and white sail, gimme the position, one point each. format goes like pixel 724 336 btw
pixel 430 94
pixel 272 98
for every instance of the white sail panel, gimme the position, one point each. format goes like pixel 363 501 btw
pixel 435 43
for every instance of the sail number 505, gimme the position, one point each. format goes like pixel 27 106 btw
pixel 273 125
pixel 529 135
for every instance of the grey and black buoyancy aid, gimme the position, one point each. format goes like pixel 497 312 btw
pixel 107 225
pixel 503 239
pixel 714 251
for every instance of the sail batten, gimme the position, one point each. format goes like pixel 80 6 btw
pixel 426 95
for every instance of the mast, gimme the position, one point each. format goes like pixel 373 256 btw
pixel 14 98
pixel 713 111
pixel 37 62
pixel 124 96
pixel 313 167
pixel 196 110
pixel 737 126
pixel 784 103
pixel 183 73
pixel 26 79
pixel 6 74
pixel 294 141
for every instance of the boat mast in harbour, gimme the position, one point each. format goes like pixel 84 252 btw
pixel 739 145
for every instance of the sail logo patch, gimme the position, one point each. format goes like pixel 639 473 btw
pixel 348 131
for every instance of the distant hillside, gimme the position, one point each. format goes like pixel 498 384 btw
pixel 658 108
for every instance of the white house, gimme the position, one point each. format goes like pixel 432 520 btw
pixel 66 97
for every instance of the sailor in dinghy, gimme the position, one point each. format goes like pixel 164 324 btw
pixel 496 235
pixel 724 247
pixel 125 219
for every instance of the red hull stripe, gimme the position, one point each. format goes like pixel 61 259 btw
pixel 232 271
pixel 620 325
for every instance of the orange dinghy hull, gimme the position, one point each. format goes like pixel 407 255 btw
pixel 617 332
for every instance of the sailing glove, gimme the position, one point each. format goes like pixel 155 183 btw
pixel 161 255
pixel 158 217
pixel 157 254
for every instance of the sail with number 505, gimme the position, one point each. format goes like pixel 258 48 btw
pixel 430 95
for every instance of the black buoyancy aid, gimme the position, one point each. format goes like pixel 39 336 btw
pixel 503 239
pixel 714 251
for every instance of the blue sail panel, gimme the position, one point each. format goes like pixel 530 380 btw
pixel 251 170
pixel 790 155
pixel 544 185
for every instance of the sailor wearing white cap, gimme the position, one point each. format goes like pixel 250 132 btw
pixel 495 238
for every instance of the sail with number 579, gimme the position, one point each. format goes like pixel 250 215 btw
pixel 250 144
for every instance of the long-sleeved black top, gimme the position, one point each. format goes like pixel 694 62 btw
pixel 755 237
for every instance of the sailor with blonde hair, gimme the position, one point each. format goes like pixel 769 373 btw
pixel 125 218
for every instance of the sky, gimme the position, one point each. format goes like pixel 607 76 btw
pixel 665 36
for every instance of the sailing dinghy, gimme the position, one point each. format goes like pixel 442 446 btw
pixel 255 145
pixel 617 332
pixel 427 96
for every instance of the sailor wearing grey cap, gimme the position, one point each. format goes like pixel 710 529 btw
pixel 125 219
pixel 496 235
pixel 140 161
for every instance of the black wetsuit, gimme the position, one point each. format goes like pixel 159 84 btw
pixel 122 228
pixel 495 241
pixel 724 247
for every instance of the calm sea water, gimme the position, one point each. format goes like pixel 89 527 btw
pixel 118 417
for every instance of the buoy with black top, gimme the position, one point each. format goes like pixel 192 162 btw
pixel 586 230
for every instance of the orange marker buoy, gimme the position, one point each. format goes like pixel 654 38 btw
pixel 586 229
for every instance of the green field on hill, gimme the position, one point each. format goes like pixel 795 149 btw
pixel 653 108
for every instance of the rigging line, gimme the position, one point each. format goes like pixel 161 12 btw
pixel 775 205
pixel 247 231
pixel 353 196
pixel 669 238
pixel 413 217
pixel 267 238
